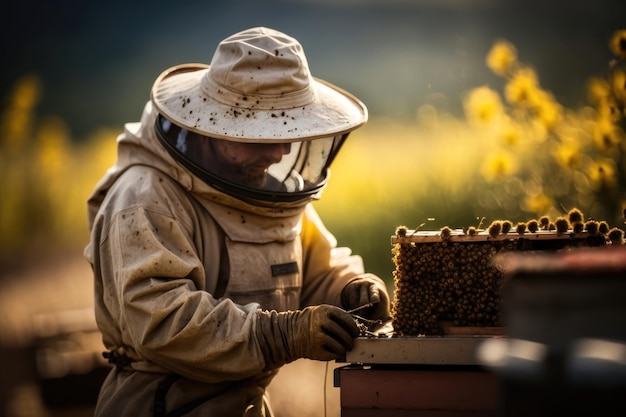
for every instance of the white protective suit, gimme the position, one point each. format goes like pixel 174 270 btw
pixel 180 270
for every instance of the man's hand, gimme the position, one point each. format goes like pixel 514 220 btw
pixel 367 290
pixel 321 333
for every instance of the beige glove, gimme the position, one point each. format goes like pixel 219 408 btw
pixel 321 333
pixel 364 290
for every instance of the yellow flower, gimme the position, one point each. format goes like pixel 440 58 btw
pixel 538 203
pixel 53 148
pixel 501 57
pixel 547 111
pixel 606 135
pixel 521 88
pixel 609 110
pixel 568 154
pixel 602 172
pixel 498 164
pixel 483 105
pixel 511 137
pixel 617 44
pixel 598 90
pixel 27 92
pixel 17 119
pixel 510 132
pixel 618 84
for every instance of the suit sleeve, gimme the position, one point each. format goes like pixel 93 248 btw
pixel 150 300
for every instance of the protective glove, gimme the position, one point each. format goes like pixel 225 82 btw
pixel 321 333
pixel 364 290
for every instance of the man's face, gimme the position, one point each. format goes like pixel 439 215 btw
pixel 247 163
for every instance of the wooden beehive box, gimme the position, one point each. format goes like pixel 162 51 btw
pixel 445 282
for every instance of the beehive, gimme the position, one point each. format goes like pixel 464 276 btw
pixel 445 281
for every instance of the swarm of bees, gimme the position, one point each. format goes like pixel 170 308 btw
pixel 446 279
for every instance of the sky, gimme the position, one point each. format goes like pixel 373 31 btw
pixel 98 59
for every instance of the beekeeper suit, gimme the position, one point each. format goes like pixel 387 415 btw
pixel 211 267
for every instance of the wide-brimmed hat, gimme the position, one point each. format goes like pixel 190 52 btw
pixel 258 87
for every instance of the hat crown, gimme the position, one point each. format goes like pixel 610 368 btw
pixel 258 88
pixel 260 62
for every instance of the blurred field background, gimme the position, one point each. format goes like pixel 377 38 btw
pixel 479 110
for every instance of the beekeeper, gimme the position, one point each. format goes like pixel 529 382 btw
pixel 211 267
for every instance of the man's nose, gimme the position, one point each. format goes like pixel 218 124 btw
pixel 277 150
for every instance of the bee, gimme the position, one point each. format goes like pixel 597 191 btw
pixel 592 227
pixel 562 224
pixel 495 228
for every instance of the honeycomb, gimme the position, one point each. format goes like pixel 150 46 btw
pixel 446 279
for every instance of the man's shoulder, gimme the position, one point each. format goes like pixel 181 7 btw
pixel 145 179
pixel 147 187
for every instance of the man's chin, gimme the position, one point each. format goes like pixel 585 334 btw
pixel 255 181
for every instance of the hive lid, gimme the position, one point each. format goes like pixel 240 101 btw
pixel 458 235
